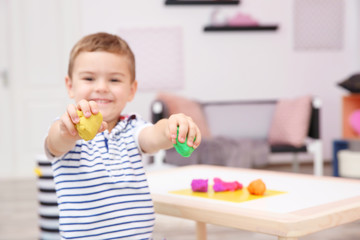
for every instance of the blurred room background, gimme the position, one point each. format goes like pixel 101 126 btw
pixel 314 46
pixel 309 53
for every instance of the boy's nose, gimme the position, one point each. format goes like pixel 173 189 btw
pixel 101 86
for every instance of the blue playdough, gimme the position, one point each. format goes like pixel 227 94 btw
pixel 182 148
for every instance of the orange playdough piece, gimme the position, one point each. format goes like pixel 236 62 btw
pixel 257 187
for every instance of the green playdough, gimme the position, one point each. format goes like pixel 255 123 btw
pixel 182 148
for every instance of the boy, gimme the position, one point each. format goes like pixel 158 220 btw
pixel 100 184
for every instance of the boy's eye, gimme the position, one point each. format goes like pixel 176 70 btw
pixel 115 80
pixel 88 79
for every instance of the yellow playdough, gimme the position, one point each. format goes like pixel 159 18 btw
pixel 88 127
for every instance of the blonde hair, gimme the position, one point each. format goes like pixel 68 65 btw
pixel 102 42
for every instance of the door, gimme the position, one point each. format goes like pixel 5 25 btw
pixel 5 104
pixel 40 36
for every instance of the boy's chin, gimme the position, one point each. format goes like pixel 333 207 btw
pixel 109 113
pixel 110 117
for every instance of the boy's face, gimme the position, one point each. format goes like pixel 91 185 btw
pixel 105 78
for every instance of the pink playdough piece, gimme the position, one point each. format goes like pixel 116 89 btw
pixel 199 185
pixel 221 186
pixel 354 121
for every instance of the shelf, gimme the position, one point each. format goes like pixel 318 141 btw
pixel 200 2
pixel 240 28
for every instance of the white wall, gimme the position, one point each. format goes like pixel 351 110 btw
pixel 241 65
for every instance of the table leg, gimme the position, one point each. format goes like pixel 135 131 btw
pixel 200 231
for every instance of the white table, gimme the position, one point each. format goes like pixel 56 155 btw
pixel 310 204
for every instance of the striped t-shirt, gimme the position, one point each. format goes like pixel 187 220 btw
pixel 102 189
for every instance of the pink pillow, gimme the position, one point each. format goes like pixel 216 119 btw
pixel 354 121
pixel 177 104
pixel 290 122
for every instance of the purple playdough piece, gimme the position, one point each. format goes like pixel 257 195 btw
pixel 199 185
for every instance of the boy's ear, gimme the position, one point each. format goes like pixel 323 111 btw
pixel 133 90
pixel 68 84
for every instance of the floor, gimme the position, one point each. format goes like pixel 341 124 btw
pixel 19 217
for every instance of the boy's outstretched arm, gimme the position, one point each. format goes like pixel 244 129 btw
pixel 162 135
pixel 63 135
pixel 58 143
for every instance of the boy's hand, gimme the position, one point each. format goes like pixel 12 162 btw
pixel 70 118
pixel 187 127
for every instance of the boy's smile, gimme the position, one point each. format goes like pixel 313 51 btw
pixel 105 78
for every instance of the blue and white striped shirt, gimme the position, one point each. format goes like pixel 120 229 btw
pixel 102 189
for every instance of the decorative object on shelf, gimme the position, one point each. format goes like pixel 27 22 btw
pixel 241 19
pixel 218 18
pixel 351 84
pixel 202 2
pixel 219 21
